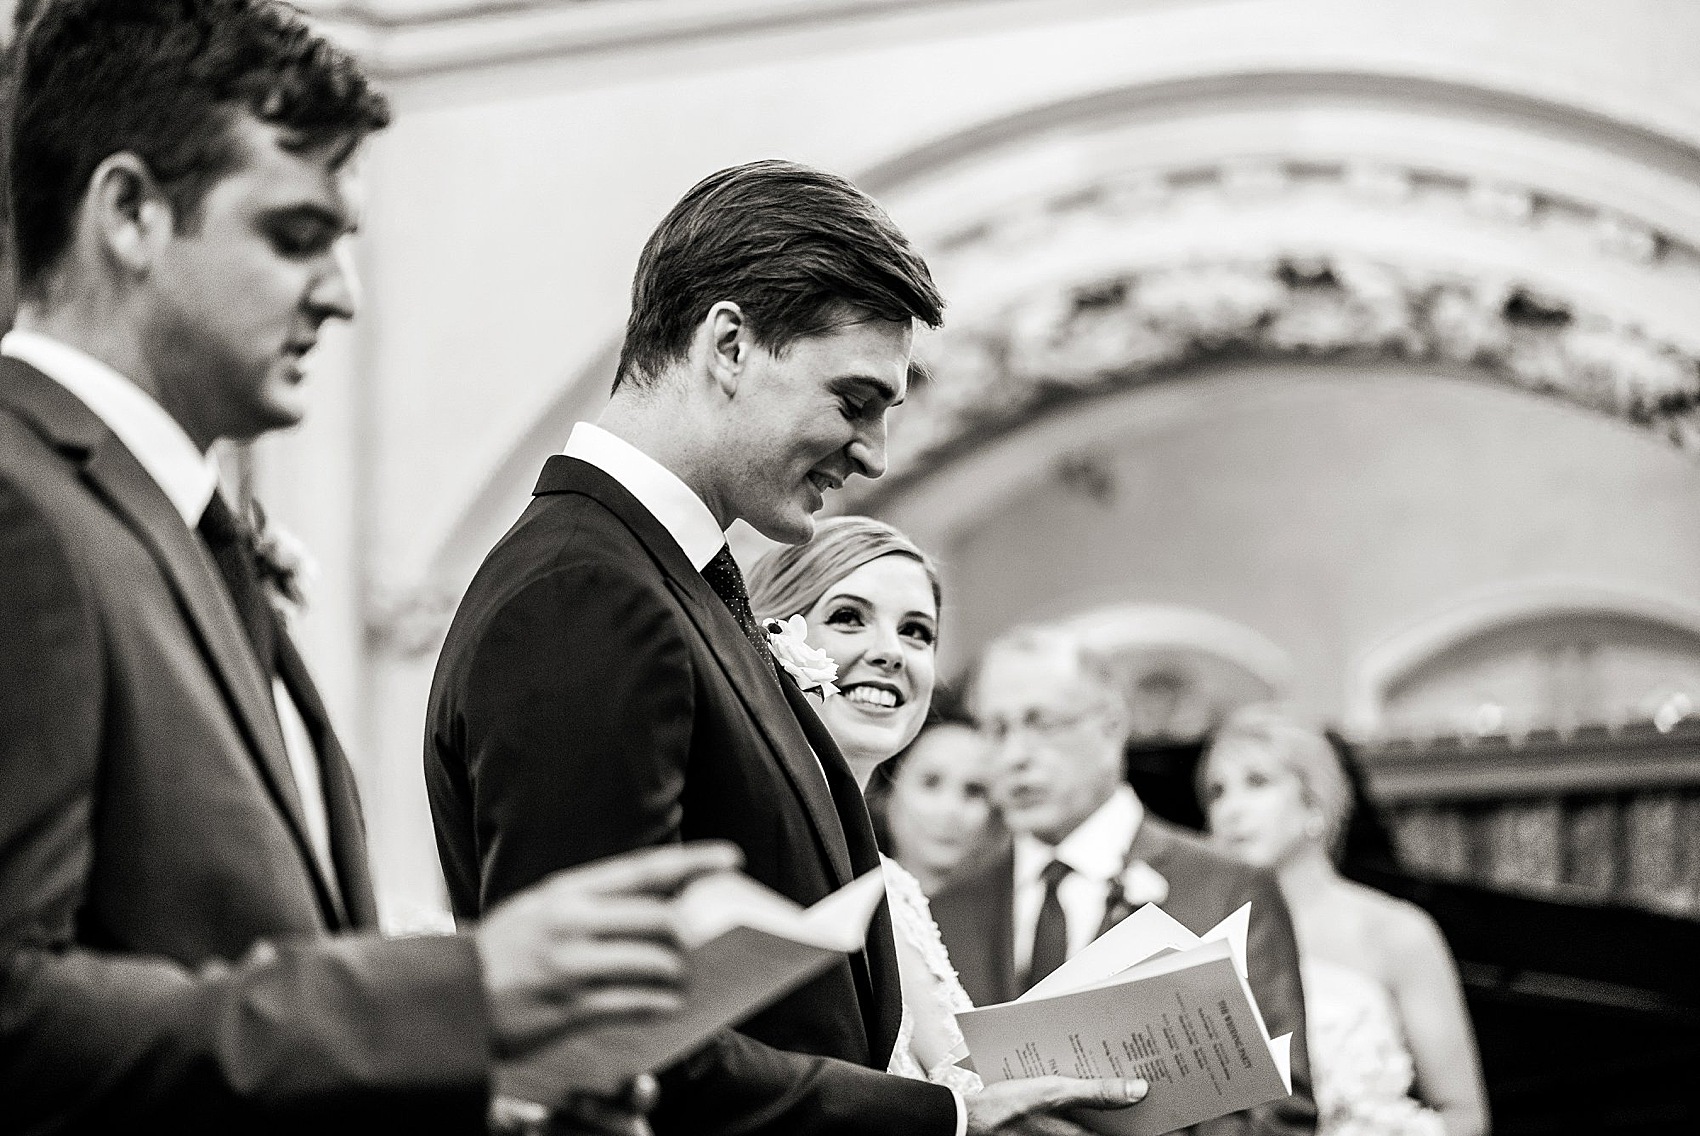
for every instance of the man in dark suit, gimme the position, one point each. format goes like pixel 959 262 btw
pixel 187 927
pixel 1085 852
pixel 605 687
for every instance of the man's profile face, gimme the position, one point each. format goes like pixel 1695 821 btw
pixel 239 293
pixel 804 419
pixel 1058 740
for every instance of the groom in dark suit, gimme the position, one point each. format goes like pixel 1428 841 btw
pixel 604 685
pixel 188 935
pixel 1085 853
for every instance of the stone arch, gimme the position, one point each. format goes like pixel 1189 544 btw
pixel 1404 652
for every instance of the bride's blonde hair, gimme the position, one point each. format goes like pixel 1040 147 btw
pixel 792 578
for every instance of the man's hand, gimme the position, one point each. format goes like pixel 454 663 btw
pixel 1024 1107
pixel 590 943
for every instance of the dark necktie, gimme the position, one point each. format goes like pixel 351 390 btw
pixel 234 555
pixel 728 583
pixel 1050 933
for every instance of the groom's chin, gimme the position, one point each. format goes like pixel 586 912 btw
pixel 788 527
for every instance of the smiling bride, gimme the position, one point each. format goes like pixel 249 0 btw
pixel 868 599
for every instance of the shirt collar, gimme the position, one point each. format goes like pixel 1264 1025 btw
pixel 186 475
pixel 681 512
pixel 1095 849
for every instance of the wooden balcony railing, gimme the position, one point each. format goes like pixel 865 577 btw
pixel 1599 815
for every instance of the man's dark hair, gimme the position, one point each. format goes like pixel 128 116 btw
pixel 164 80
pixel 800 251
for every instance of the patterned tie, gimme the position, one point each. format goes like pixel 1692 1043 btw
pixel 232 552
pixel 1050 933
pixel 728 583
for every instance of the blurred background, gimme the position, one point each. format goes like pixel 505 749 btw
pixel 1335 350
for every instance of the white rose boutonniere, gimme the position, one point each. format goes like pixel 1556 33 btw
pixel 1142 884
pixel 812 667
pixel 282 559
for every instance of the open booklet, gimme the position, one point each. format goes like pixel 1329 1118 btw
pixel 746 946
pixel 1149 999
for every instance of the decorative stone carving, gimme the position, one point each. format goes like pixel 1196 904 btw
pixel 1107 334
pixel 409 623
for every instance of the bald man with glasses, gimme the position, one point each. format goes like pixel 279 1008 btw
pixel 1086 853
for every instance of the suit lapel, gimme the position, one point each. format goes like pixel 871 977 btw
pixel 119 479
pixel 883 997
pixel 1153 843
pixel 756 685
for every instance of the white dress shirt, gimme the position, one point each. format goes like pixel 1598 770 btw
pixel 676 505
pixel 685 517
pixel 1096 851
pixel 189 479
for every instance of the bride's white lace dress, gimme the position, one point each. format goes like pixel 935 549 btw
pixel 929 1042
pixel 1360 1066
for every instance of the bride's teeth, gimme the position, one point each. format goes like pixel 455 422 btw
pixel 873 696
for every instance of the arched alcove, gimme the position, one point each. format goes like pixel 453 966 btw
pixel 1604 655
pixel 1184 668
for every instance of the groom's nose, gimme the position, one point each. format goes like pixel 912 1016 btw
pixel 867 449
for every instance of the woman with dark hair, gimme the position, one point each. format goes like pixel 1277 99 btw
pixel 1391 1048
pixel 932 808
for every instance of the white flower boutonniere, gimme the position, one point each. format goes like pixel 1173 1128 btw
pixel 1142 884
pixel 812 667
pixel 282 559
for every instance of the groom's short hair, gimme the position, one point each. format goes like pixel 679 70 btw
pixel 163 80
pixel 799 250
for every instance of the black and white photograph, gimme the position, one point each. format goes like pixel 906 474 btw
pixel 850 567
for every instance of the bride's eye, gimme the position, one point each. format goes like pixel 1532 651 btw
pixel 844 617
pixel 920 632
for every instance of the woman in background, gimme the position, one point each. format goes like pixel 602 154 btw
pixel 1391 1047
pixel 930 803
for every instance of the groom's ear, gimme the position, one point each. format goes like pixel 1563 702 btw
pixel 725 335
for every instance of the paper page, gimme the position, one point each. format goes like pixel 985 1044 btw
pixel 713 905
pixel 769 946
pixel 840 921
pixel 1188 1030
pixel 1233 930
pixel 1136 938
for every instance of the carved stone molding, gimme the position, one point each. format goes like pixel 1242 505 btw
pixel 403 39
pixel 1104 335
pixel 409 623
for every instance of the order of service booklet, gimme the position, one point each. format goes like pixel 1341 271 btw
pixel 1149 999
pixel 745 945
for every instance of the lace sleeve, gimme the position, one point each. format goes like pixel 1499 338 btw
pixel 929 1041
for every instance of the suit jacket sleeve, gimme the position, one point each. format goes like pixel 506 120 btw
pixel 573 708
pixel 336 1030
pixel 1273 965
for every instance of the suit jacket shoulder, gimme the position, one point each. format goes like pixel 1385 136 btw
pixel 975 914
pixel 595 696
pixel 144 857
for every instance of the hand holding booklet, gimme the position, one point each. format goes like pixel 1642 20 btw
pixel 746 946
pixel 1148 999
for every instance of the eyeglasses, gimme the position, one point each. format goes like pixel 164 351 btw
pixel 1038 723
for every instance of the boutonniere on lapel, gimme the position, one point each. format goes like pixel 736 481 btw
pixel 1142 884
pixel 812 667
pixel 286 567
pixel 1138 885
